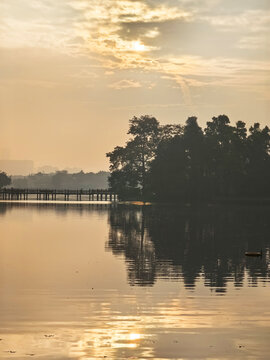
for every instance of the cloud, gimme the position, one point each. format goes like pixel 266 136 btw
pixel 255 42
pixel 252 27
pixel 42 24
pixel 116 11
pixel 249 21
pixel 186 41
pixel 124 84
pixel 112 29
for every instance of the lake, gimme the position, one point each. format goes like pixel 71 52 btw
pixel 95 281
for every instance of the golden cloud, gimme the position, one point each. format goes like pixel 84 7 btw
pixel 123 84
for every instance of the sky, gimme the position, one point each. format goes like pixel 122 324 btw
pixel 73 72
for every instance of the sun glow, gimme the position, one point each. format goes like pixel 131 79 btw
pixel 134 336
pixel 138 46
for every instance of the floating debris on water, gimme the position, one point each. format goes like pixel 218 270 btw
pixel 253 253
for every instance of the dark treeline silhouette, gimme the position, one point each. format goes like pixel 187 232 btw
pixel 4 179
pixel 62 180
pixel 187 163
pixel 187 243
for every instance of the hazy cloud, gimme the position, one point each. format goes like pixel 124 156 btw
pixel 124 84
pixel 67 60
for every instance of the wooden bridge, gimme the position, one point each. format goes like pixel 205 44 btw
pixel 64 195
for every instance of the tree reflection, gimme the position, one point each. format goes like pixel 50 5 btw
pixel 128 236
pixel 173 243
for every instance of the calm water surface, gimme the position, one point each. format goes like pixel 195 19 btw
pixel 118 282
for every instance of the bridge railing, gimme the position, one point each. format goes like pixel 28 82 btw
pixel 58 194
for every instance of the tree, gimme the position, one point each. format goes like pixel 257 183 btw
pixel 167 132
pixel 177 170
pixel 168 170
pixel 187 164
pixel 258 160
pixel 195 152
pixel 4 179
pixel 59 179
pixel 218 137
pixel 129 164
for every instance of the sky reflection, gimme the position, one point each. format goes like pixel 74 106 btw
pixel 159 326
pixel 64 297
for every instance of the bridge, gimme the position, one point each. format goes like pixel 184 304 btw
pixel 55 194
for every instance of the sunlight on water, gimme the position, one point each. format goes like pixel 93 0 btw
pixel 118 282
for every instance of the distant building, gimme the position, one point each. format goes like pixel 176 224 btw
pixel 17 167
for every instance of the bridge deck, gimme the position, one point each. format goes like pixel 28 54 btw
pixel 55 194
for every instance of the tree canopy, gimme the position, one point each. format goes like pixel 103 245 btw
pixel 62 180
pixel 4 179
pixel 188 163
pixel 130 164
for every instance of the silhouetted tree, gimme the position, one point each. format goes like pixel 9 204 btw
pixel 176 163
pixel 168 171
pixel 178 168
pixel 195 153
pixel 62 180
pixel 4 179
pixel 258 160
pixel 130 164
pixel 219 136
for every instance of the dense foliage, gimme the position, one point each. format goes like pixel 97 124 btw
pixel 187 163
pixel 4 179
pixel 62 180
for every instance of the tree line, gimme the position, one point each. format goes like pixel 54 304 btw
pixel 57 180
pixel 187 163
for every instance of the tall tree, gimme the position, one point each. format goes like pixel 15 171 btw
pixel 168 176
pixel 129 164
pixel 195 152
pixel 177 170
pixel 218 136
pixel 258 170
